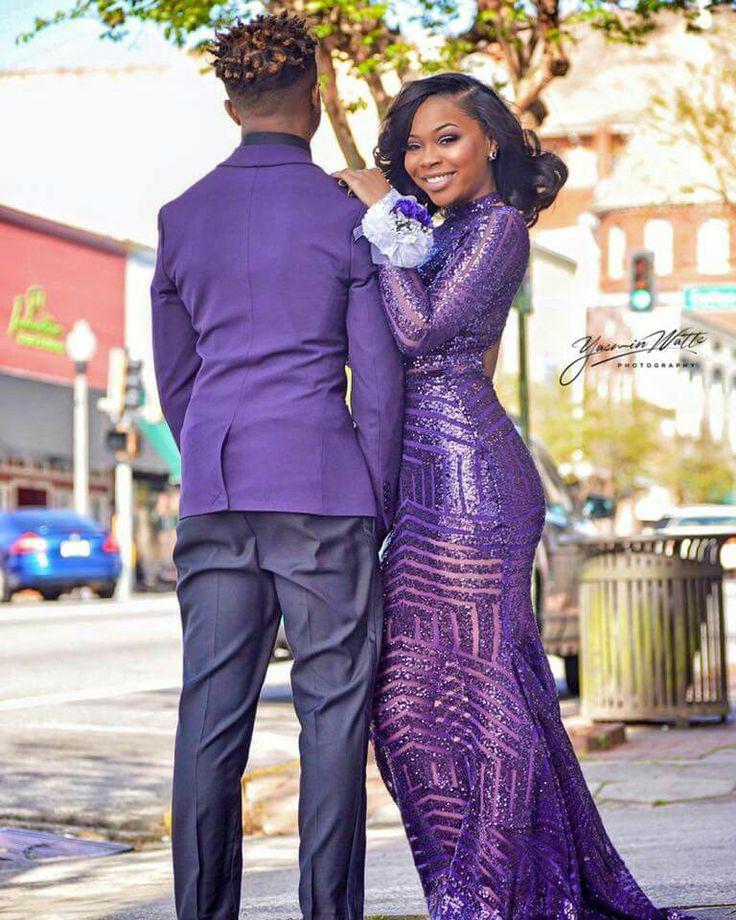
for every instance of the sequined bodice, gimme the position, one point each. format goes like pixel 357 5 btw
pixel 455 305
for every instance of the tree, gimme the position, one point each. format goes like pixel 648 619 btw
pixel 701 112
pixel 355 33
pixel 698 470
pixel 551 414
pixel 622 442
pixel 532 39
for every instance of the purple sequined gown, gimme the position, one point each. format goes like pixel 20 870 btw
pixel 466 724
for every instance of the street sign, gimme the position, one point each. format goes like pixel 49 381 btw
pixel 710 297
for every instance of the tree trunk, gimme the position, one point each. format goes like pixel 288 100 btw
pixel 378 91
pixel 336 111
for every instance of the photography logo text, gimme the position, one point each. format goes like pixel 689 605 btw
pixel 595 350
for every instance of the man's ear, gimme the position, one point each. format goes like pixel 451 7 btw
pixel 316 102
pixel 232 111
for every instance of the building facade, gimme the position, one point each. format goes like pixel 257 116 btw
pixel 52 275
pixel 643 187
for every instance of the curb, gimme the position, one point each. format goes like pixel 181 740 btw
pixel 256 819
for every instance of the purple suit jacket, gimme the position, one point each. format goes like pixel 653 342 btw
pixel 260 297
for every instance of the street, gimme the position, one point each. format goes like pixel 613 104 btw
pixel 88 711
pixel 88 693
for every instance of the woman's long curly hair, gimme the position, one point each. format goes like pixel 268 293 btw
pixel 526 177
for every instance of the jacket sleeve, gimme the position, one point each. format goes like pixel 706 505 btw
pixel 377 388
pixel 487 267
pixel 175 356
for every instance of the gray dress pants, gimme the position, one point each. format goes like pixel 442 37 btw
pixel 236 570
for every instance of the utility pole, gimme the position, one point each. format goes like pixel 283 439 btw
pixel 121 403
pixel 523 304
pixel 124 528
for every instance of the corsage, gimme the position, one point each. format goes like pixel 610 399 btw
pixel 399 230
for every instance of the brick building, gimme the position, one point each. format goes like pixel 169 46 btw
pixel 640 185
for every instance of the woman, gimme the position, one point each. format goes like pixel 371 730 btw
pixel 466 723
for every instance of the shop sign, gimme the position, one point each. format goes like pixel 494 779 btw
pixel 32 324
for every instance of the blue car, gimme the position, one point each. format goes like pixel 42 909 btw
pixel 54 550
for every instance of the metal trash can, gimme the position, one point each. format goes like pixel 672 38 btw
pixel 653 644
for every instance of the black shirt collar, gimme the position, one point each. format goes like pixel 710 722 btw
pixel 274 137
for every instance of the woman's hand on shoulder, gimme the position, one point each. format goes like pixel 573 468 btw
pixel 370 185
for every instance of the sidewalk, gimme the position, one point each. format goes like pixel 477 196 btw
pixel 668 799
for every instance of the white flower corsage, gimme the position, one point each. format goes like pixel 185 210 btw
pixel 399 230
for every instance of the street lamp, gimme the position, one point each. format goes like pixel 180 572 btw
pixel 81 344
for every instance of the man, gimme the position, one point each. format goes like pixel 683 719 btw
pixel 259 296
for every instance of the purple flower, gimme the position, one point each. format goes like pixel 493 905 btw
pixel 412 210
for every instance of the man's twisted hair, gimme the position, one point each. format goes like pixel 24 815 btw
pixel 273 51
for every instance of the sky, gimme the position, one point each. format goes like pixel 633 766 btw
pixel 70 44
pixel 104 133
pixel 78 44
pixel 133 122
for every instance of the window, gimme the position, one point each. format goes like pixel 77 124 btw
pixel 658 238
pixel 616 252
pixel 582 164
pixel 713 247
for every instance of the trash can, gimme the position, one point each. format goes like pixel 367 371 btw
pixel 653 644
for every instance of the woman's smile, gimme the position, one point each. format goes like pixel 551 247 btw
pixel 438 181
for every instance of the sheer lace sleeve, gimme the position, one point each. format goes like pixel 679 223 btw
pixel 486 269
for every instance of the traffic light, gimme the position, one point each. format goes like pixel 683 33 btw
pixel 641 295
pixel 123 442
pixel 134 393
pixel 113 402
pixel 125 390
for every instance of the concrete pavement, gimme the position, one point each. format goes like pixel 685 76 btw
pixel 87 712
pixel 137 886
pixel 668 799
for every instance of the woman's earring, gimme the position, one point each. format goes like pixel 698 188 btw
pixel 492 154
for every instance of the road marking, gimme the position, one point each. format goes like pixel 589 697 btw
pixel 81 696
pixel 88 727
pixel 29 613
pixel 276 680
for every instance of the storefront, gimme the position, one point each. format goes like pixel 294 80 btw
pixel 51 276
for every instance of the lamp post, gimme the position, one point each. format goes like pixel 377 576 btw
pixel 81 344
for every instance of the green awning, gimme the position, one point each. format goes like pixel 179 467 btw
pixel 162 441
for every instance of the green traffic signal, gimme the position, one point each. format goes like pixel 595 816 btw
pixel 641 300
pixel 641 290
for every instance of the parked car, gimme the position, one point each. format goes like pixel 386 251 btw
pixel 557 563
pixel 702 519
pixel 54 550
